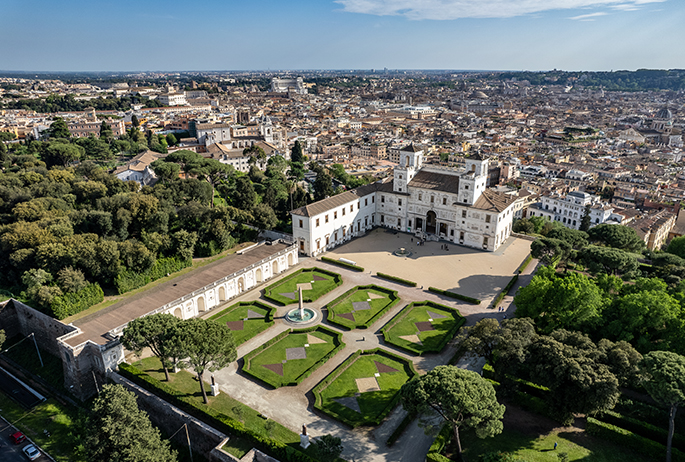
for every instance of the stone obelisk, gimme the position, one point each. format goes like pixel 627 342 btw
pixel 301 304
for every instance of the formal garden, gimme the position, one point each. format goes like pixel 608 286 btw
pixel 423 327
pixel 292 356
pixel 364 388
pixel 246 319
pixel 361 306
pixel 314 282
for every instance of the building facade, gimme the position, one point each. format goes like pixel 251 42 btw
pixel 433 203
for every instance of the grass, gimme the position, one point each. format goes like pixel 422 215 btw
pixel 50 415
pixel 431 340
pixel 251 327
pixel 110 300
pixel 374 405
pixel 187 383
pixel 294 368
pixel 305 275
pixel 577 445
pixel 362 318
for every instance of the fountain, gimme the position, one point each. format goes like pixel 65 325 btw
pixel 301 315
pixel 402 252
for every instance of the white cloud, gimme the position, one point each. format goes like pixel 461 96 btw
pixel 456 9
pixel 585 17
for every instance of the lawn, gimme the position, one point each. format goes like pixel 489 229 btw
pixel 361 306
pixel 290 357
pixel 50 415
pixel 423 327
pixel 187 383
pixel 364 389
pixel 540 448
pixel 246 319
pixel 315 283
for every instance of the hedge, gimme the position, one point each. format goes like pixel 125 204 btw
pixel 213 418
pixel 339 345
pixel 449 335
pixel 524 265
pixel 337 279
pixel 396 279
pixel 505 291
pixel 318 401
pixel 440 441
pixel 343 264
pixel 75 302
pixel 128 280
pixel 646 430
pixel 629 440
pixel 395 435
pixel 392 295
pixel 447 293
pixel 271 311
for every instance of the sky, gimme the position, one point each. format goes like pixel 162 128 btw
pixel 173 35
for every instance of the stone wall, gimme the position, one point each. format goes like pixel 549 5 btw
pixel 17 317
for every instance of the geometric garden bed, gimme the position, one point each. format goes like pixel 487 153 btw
pixel 361 306
pixel 315 282
pixel 364 388
pixel 292 356
pixel 246 319
pixel 423 327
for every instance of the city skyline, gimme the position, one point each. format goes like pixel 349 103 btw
pixel 80 36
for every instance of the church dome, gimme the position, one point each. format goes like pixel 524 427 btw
pixel 665 113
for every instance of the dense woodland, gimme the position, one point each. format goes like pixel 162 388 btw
pixel 65 103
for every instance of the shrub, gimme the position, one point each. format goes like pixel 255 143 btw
pixel 524 265
pixel 343 264
pixel 129 280
pixel 75 302
pixel 395 435
pixel 396 279
pixel 447 293
pixel 505 291
pixel 641 428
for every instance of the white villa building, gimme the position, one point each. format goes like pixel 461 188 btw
pixel 435 202
pixel 569 210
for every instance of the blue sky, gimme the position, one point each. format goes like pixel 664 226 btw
pixel 93 35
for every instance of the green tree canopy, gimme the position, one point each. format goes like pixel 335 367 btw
pixel 58 129
pixel 609 260
pixel 159 333
pixel 323 186
pixel 461 398
pixel 296 155
pixel 328 448
pixel 677 246
pixel 617 236
pixel 117 431
pixel 550 251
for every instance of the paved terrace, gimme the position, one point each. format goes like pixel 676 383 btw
pixel 94 327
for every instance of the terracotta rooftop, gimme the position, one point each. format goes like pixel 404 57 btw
pixel 493 201
pixel 436 181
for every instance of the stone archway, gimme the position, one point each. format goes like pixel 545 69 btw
pixel 178 313
pixel 241 284
pixel 419 224
pixel 222 294
pixel 431 222
pixel 443 229
pixel 290 260
pixel 258 275
pixel 274 268
pixel 201 304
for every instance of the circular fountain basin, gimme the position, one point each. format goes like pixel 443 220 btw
pixel 307 316
pixel 402 252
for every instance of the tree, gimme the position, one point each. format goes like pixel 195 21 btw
pixel 171 139
pixel 264 217
pixel 296 155
pixel 166 171
pixel 575 238
pixel 106 132
pixel 523 225
pixel 586 220
pixel 609 260
pixel 665 383
pixel 323 186
pixel 71 280
pixel 58 129
pixel 62 154
pixel 245 197
pixel 256 154
pixel 208 345
pixel 159 333
pixel 462 398
pixel 618 237
pixel 677 246
pixel 134 121
pixel 328 448
pixel 117 431
pixel 550 251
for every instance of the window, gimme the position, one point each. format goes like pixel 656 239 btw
pixel 343 209
pixel 461 235
pixel 300 223
pixel 432 199
pixel 383 199
pixel 420 196
pixel 485 241
pixel 373 199
pixel 326 218
pixel 351 208
pixel 487 218
pixel 444 201
pixel 335 236
pixel 382 218
pixel 366 202
pixel 327 239
pixel 399 202
pixel 317 222
pixel 318 244
pixel 466 187
pixel 399 222
pixel 399 189
pixel 463 213
pixel 400 176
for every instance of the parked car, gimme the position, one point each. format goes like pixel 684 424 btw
pixel 17 438
pixel 31 452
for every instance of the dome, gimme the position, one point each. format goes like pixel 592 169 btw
pixel 665 113
pixel 479 95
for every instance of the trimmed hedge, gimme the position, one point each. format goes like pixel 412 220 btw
pixel 392 295
pixel 524 265
pixel 396 279
pixel 213 418
pixel 629 440
pixel 271 311
pixel 75 302
pixel 318 400
pixel 440 441
pixel 339 345
pixel 395 435
pixel 505 291
pixel 447 293
pixel 337 279
pixel 343 264
pixel 654 433
pixel 449 335
pixel 130 280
